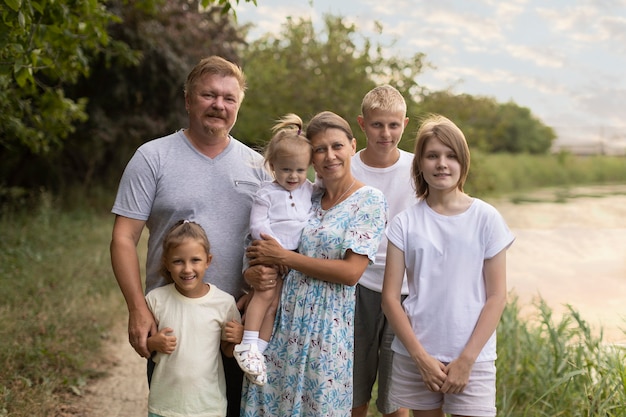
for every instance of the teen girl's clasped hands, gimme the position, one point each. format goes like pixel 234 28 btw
pixel 453 249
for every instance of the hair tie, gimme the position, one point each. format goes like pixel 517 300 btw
pixel 185 221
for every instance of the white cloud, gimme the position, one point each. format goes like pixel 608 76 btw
pixel 506 11
pixel 542 57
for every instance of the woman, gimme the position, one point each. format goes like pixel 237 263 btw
pixel 309 358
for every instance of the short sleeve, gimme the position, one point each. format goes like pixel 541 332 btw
pixel 395 233
pixel 137 188
pixel 368 225
pixel 499 237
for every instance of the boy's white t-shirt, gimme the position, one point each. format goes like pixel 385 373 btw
pixel 444 258
pixel 396 184
pixel 190 381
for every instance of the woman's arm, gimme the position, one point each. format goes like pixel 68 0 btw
pixel 345 271
pixel 430 368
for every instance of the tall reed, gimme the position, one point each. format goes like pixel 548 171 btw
pixel 550 367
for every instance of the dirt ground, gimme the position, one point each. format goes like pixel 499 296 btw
pixel 572 253
pixel 124 391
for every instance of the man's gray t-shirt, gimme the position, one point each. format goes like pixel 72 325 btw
pixel 168 179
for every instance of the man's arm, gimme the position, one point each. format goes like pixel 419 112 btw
pixel 125 262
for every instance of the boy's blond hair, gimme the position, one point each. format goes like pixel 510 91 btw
pixel 383 97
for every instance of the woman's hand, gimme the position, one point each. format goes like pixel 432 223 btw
pixel 266 252
pixel 261 278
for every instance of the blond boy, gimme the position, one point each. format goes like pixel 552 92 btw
pixel 382 165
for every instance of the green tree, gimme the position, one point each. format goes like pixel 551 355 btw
pixel 43 46
pixel 518 131
pixel 305 71
pixel 144 101
pixel 47 47
pixel 490 126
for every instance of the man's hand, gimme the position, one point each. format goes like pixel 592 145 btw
pixel 141 324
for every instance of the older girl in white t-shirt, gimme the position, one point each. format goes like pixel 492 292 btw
pixel 453 249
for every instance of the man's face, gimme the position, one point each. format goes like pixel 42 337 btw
pixel 213 104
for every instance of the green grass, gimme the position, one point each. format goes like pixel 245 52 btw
pixel 57 295
pixel 504 174
pixel 552 368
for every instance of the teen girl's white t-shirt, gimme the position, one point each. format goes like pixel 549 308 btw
pixel 444 258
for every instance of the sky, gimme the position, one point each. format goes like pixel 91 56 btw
pixel 565 60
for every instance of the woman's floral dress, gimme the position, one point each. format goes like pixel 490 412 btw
pixel 309 358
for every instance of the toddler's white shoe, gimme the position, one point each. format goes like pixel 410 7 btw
pixel 250 359
pixel 259 379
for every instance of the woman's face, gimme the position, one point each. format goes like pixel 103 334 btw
pixel 332 152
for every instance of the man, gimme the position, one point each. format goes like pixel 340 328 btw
pixel 382 165
pixel 200 173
